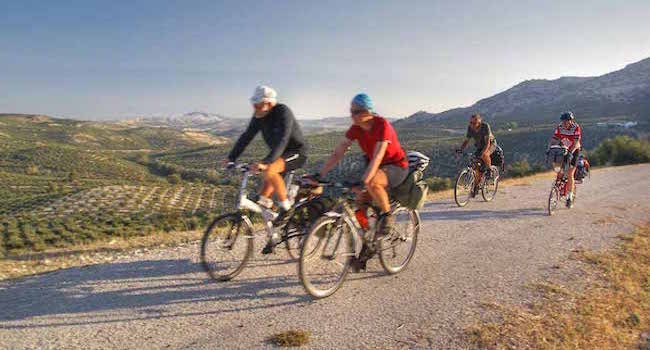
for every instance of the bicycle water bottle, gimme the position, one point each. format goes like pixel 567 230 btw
pixel 362 218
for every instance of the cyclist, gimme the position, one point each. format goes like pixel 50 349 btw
pixel 484 140
pixel 569 134
pixel 282 134
pixel 388 165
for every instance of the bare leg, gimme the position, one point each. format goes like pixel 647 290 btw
pixel 273 181
pixel 571 181
pixel 486 160
pixel 377 190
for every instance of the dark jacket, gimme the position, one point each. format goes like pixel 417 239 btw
pixel 280 131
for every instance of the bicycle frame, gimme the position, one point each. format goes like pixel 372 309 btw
pixel 244 203
pixel 562 183
pixel 343 211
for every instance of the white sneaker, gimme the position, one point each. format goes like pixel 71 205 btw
pixel 285 204
pixel 265 202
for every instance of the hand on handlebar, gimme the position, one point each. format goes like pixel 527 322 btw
pixel 227 164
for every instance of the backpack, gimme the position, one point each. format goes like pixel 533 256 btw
pixel 582 168
pixel 412 193
pixel 498 158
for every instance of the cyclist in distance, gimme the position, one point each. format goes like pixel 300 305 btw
pixel 569 134
pixel 484 140
pixel 282 134
pixel 388 165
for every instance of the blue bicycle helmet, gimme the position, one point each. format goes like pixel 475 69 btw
pixel 567 116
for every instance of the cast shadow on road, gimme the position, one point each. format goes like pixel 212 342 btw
pixel 463 214
pixel 70 297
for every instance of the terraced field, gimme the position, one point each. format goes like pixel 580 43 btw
pixel 114 210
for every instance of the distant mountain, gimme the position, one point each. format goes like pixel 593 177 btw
pixel 231 127
pixel 202 121
pixel 625 92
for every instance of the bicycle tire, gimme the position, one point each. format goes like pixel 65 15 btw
pixel 457 197
pixel 212 261
pixel 321 235
pixel 389 244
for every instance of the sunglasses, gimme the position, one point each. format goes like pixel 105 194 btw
pixel 356 111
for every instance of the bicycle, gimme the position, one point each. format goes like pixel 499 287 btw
pixel 338 238
pixel 227 242
pixel 472 178
pixel 560 188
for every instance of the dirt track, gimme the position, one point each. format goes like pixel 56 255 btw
pixel 485 252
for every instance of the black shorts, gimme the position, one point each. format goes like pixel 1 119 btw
pixel 576 154
pixel 293 161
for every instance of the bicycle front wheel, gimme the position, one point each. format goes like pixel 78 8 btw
pixel 397 249
pixel 553 199
pixel 296 228
pixel 325 257
pixel 464 187
pixel 226 246
pixel 491 185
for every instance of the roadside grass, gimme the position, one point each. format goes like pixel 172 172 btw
pixel 611 312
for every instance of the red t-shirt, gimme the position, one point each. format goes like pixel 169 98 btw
pixel 568 137
pixel 381 130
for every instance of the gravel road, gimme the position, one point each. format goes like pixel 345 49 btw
pixel 485 252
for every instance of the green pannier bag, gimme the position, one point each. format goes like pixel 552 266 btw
pixel 412 193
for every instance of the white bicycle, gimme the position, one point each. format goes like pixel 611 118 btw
pixel 227 243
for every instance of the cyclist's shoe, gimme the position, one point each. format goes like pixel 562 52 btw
pixel 268 248
pixel 357 265
pixel 265 202
pixel 385 226
pixel 474 192
pixel 569 203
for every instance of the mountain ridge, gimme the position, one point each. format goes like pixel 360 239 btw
pixel 621 92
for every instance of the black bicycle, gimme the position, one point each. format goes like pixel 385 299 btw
pixel 475 177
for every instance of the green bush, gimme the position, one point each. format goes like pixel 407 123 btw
pixel 174 179
pixel 620 151
pixel 520 168
pixel 439 183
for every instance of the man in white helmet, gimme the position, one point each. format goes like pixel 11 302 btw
pixel 282 134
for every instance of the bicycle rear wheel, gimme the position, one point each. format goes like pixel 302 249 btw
pixel 325 257
pixel 491 185
pixel 464 187
pixel 397 249
pixel 226 246
pixel 553 199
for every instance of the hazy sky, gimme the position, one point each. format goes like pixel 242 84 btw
pixel 112 59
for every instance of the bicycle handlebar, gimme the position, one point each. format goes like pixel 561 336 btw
pixel 243 167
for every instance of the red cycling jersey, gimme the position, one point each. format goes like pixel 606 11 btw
pixel 381 130
pixel 568 137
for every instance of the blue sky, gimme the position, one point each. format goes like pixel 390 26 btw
pixel 115 59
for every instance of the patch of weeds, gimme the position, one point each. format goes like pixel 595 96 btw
pixel 290 338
